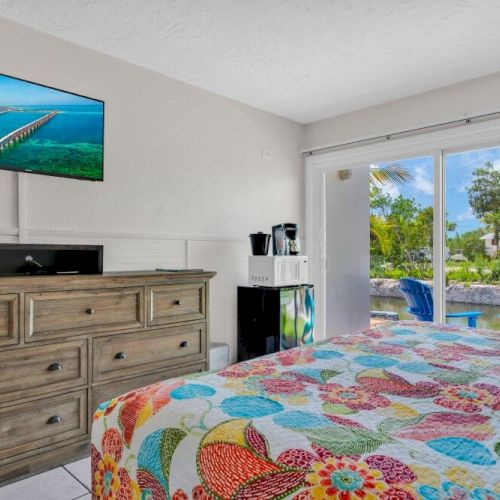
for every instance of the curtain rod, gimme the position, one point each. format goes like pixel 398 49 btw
pixel 405 133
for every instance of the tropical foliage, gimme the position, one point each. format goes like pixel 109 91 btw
pixel 401 235
pixel 389 174
pixel 469 244
pixel 484 196
pixel 401 230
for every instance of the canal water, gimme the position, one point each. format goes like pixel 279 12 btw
pixel 489 319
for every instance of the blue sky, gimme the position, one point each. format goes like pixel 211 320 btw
pixel 459 168
pixel 15 92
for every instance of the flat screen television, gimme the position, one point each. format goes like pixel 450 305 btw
pixel 48 131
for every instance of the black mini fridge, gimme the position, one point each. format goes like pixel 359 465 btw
pixel 274 318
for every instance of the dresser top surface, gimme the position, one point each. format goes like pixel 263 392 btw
pixel 125 278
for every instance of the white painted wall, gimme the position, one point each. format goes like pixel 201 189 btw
pixel 184 178
pixel 8 201
pixel 469 98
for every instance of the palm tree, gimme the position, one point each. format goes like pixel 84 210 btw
pixel 390 174
pixel 379 232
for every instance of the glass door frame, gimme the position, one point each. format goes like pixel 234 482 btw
pixel 439 238
pixel 436 144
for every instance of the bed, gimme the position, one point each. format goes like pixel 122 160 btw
pixel 399 411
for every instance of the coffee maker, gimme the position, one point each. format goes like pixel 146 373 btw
pixel 286 239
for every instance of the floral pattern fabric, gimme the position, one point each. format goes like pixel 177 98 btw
pixel 404 410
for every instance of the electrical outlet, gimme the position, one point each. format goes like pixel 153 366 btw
pixel 267 155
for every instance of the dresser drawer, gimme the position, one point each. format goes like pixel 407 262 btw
pixel 105 392
pixel 34 370
pixel 139 352
pixel 57 314
pixel 9 319
pixel 28 426
pixel 175 303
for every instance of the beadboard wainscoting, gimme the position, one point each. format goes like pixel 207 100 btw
pixel 9 235
pixel 145 251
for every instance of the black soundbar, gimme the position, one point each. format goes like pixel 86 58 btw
pixel 32 259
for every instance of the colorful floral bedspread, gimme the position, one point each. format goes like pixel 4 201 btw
pixel 401 411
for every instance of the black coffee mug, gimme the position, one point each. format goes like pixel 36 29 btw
pixel 260 243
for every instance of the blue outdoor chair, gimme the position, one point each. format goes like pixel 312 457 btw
pixel 419 298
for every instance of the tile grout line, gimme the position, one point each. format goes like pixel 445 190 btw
pixel 84 495
pixel 73 476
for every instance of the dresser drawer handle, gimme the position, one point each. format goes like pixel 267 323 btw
pixel 120 355
pixel 178 302
pixel 55 367
pixel 184 344
pixel 90 311
pixel 56 419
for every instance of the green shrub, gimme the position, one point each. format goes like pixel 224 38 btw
pixel 481 271
pixel 481 264
pixel 395 274
pixel 495 271
pixel 463 276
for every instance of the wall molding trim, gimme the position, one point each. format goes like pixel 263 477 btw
pixel 132 235
pixel 9 231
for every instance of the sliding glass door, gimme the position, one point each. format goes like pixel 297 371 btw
pixel 472 269
pixel 401 231
pixel 436 219
pixel 433 215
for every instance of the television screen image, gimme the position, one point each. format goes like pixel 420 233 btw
pixel 48 131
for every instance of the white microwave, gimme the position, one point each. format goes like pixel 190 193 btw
pixel 286 270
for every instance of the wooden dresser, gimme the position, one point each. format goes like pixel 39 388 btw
pixel 68 343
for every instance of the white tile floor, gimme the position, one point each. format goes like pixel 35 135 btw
pixel 70 482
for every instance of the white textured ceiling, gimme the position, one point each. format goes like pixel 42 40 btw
pixel 302 59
